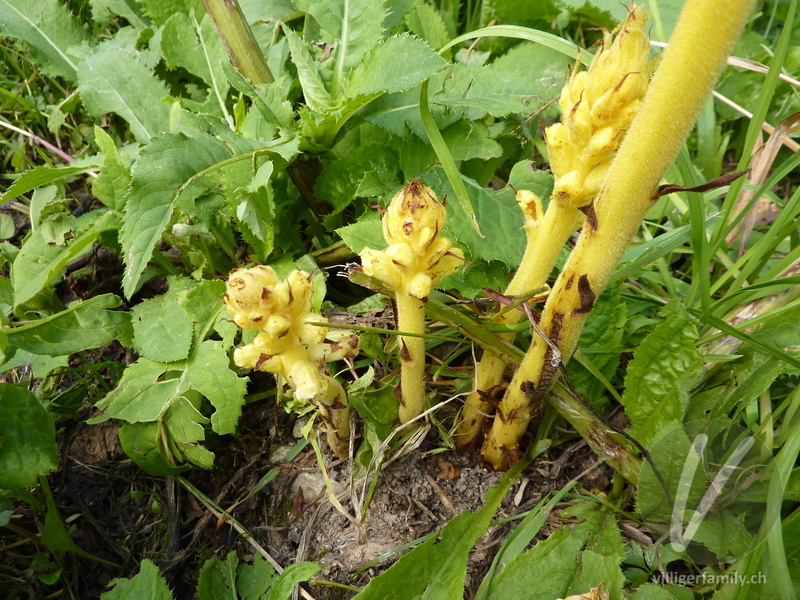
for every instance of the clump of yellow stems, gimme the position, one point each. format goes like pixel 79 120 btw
pixel 291 342
pixel 597 107
pixel 417 259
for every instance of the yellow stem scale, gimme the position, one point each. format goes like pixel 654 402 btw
pixel 703 38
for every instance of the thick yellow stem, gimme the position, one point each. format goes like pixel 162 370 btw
pixel 411 319
pixel 703 38
pixel 541 253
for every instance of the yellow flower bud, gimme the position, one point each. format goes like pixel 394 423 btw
pixel 414 217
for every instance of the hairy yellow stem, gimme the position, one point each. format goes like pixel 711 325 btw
pixel 703 38
pixel 411 319
pixel 336 412
pixel 541 253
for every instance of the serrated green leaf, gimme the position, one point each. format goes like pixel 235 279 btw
pixel 49 29
pixel 268 99
pixel 104 10
pixel 84 325
pixel 317 97
pixel 27 438
pixel 114 79
pixel 426 23
pixel 43 175
pixel 200 300
pixel 162 331
pixel 596 569
pixel 198 49
pixel 148 584
pixel 255 212
pixel 111 185
pixel 167 167
pixel 396 64
pixel 209 373
pixel 161 10
pixel 217 579
pixel 39 263
pixel 365 233
pixel 139 396
pixel 355 27
pixel 665 366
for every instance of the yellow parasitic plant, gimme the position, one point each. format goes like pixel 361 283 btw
pixel 291 342
pixel 597 107
pixel 702 40
pixel 415 262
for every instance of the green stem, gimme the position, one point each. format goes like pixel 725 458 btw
pixel 238 39
pixel 411 318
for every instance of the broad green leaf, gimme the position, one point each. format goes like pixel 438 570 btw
pixel 38 364
pixel 166 168
pixel 665 367
pixel 161 10
pixel 253 580
pixel 85 325
pixel 48 28
pixel 435 570
pixel 184 425
pixel 317 97
pixel 365 233
pixel 596 569
pixel 656 591
pixel 104 10
pixel 27 438
pixel 268 99
pixel 291 576
pixel 111 185
pixel 162 329
pixel 426 23
pixel 114 79
pixel 396 64
pixel 39 263
pixel 7 227
pixel 355 27
pixel 201 301
pixel 197 48
pixel 143 443
pixel 139 395
pixel 43 175
pixel 217 579
pixel 209 373
pixel 148 584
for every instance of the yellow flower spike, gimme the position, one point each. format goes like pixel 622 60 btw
pixel 700 44
pixel 597 107
pixel 290 344
pixel 416 260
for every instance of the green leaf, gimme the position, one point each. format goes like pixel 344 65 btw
pixel 198 49
pixel 167 168
pixel 115 79
pixel 27 438
pixel 656 591
pixel 209 373
pixel 253 580
pixel 139 395
pixel 200 301
pixel 217 579
pixel 161 10
pixel 435 570
pixel 111 185
pixel 396 64
pixel 104 10
pixel 426 23
pixel 143 443
pixel 365 233
pixel 255 212
pixel 85 325
pixel 39 365
pixel 162 331
pixel 665 367
pixel 39 263
pixel 314 92
pixel 43 175
pixel 48 28
pixel 339 184
pixel 355 27
pixel 148 584
pixel 291 576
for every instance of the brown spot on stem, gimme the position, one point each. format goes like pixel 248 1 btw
pixel 570 281
pixel 261 360
pixel 257 319
pixel 528 388
pixel 591 215
pixel 586 295
pixel 265 293
pixel 408 227
pixel 405 355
